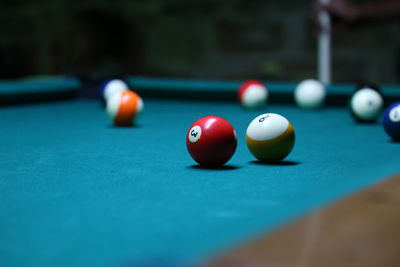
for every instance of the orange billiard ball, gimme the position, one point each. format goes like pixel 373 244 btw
pixel 124 107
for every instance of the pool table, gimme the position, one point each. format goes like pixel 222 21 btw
pixel 77 191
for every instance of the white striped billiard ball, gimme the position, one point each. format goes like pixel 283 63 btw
pixel 270 137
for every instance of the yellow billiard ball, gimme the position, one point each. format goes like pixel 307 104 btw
pixel 270 137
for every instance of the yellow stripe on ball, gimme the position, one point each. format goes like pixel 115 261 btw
pixel 275 149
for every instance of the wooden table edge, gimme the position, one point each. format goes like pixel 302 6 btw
pixel 360 230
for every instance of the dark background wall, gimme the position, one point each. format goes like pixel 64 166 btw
pixel 205 39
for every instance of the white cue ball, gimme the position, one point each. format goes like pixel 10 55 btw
pixel 366 104
pixel 310 94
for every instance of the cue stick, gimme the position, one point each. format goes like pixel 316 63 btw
pixel 324 46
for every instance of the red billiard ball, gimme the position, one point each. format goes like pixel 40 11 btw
pixel 211 141
pixel 253 94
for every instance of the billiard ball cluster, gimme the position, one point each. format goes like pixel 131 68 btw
pixel 308 94
pixel 212 141
pixel 122 105
pixel 270 137
pixel 366 105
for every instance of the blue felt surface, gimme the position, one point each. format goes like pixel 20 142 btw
pixel 76 191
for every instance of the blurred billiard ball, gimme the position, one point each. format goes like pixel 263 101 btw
pixel 253 94
pixel 124 107
pixel 366 104
pixel 310 94
pixel 110 87
pixel 391 121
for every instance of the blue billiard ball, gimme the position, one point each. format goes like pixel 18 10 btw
pixel 391 121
